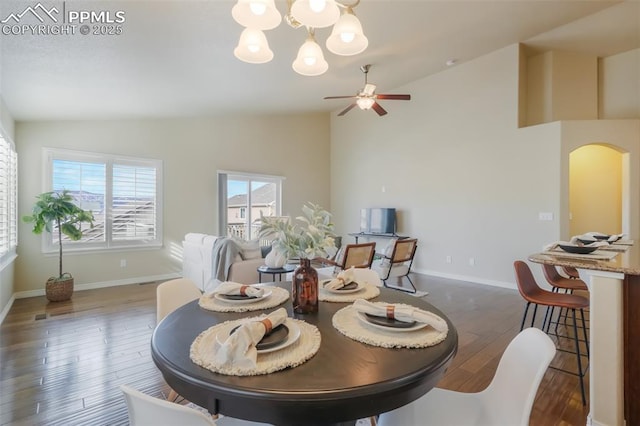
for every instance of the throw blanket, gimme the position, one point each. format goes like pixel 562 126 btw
pixel 223 255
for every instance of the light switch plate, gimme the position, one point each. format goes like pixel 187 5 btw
pixel 545 216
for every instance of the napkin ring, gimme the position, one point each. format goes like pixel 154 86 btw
pixel 243 290
pixel 391 311
pixel 268 325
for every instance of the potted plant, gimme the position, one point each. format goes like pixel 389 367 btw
pixel 59 209
pixel 310 237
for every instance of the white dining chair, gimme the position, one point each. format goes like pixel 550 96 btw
pixel 145 410
pixel 506 401
pixel 170 296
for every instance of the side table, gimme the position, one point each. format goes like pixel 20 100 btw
pixel 264 269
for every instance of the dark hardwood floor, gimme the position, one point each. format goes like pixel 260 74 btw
pixel 61 363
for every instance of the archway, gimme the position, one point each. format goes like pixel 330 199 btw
pixel 597 189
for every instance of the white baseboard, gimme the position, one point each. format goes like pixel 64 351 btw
pixel 5 310
pixel 102 284
pixel 467 278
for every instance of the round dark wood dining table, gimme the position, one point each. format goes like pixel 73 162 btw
pixel 346 380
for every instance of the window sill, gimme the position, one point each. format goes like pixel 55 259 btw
pixel 98 250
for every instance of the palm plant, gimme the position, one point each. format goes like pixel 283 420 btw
pixel 59 209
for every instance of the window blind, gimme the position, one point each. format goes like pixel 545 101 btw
pixel 123 193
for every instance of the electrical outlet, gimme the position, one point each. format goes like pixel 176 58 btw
pixel 123 263
pixel 472 261
pixel 448 259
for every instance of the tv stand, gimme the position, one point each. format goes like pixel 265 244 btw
pixel 369 235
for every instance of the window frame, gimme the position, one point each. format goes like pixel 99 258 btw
pixel 51 154
pixel 8 251
pixel 224 176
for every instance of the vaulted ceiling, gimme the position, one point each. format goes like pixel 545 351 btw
pixel 175 58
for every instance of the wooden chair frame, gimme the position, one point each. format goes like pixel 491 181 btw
pixel 353 256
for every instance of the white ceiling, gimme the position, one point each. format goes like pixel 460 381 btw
pixel 175 58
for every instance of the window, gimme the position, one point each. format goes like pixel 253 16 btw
pixel 8 199
pixel 123 193
pixel 243 198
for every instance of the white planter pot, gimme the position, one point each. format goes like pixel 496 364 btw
pixel 275 259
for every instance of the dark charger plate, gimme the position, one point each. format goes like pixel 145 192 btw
pixel 386 322
pixel 277 336
pixel 351 286
pixel 236 297
pixel 577 249
pixel 587 241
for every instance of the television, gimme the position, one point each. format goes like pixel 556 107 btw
pixel 378 221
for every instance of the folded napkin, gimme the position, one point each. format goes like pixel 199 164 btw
pixel 592 236
pixel 401 313
pixel 231 288
pixel 342 279
pixel 239 349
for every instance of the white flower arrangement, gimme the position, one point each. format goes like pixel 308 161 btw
pixel 311 237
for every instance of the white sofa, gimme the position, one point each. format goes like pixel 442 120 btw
pixel 198 263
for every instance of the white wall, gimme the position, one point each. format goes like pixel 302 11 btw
pixel 619 89
pixel 468 183
pixel 193 150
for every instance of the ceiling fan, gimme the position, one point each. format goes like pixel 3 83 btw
pixel 367 98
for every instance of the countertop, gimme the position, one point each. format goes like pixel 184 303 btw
pixel 627 262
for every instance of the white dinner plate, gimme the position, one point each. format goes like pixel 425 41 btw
pixel 363 318
pixel 359 286
pixel 221 298
pixel 292 337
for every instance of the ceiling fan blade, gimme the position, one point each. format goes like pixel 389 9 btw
pixel 338 97
pixel 347 109
pixel 395 97
pixel 377 108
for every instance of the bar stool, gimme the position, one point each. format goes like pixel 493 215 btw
pixel 532 293
pixel 558 282
pixel 571 272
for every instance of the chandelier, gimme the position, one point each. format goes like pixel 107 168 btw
pixel 257 16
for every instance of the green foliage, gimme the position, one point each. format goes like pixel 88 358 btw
pixel 58 209
pixel 312 236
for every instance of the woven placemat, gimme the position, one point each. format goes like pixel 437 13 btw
pixel 278 297
pixel 346 321
pixel 203 350
pixel 369 291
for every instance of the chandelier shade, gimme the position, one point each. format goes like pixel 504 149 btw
pixel 310 60
pixel 347 37
pixel 316 13
pixel 253 47
pixel 258 14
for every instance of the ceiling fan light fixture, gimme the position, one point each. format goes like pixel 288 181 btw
pixel 365 103
pixel 310 60
pixel 253 47
pixel 347 37
pixel 259 14
pixel 316 13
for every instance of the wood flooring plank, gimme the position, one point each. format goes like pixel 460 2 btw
pixel 67 369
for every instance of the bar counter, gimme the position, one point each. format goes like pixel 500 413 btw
pixel 614 365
